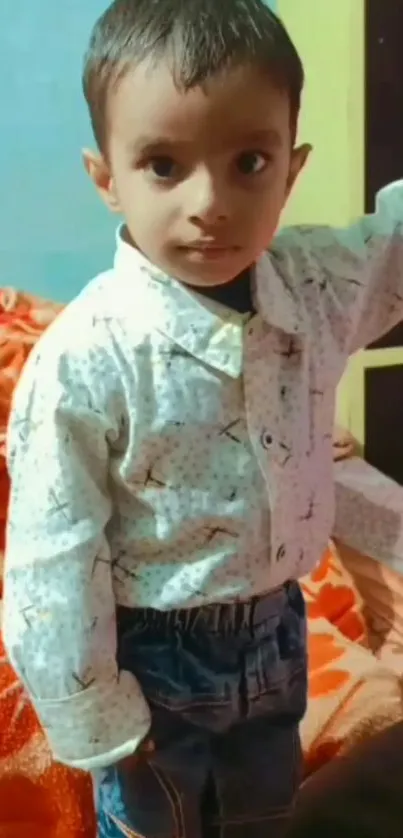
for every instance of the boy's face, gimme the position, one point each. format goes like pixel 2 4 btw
pixel 201 177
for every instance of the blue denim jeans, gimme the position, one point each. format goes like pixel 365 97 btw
pixel 227 688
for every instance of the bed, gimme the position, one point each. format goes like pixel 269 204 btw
pixel 355 614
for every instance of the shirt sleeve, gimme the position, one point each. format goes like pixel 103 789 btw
pixel 59 607
pixel 350 280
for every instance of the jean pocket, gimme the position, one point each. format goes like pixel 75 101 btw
pixel 185 669
pixel 275 680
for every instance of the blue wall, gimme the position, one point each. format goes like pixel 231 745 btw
pixel 54 232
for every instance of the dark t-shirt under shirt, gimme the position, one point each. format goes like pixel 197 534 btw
pixel 236 294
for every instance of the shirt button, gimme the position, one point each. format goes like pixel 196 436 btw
pixel 266 440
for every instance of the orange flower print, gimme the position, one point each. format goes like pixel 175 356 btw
pixel 320 572
pixel 56 805
pixel 323 652
pixel 329 681
pixel 56 802
pixel 338 604
pixel 331 602
pixel 18 721
pixel 352 625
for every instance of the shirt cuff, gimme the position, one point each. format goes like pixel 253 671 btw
pixel 99 726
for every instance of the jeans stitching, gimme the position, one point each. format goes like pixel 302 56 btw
pixel 255 696
pixel 220 821
pixel 189 705
pixel 172 796
pixel 297 757
pixel 174 801
pixel 125 830
pixel 276 813
pixel 280 813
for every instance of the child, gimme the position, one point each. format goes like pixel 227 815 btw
pixel 170 447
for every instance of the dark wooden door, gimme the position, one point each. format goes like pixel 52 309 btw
pixel 383 107
pixel 384 95
pixel 383 164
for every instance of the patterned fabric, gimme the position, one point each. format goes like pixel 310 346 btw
pixel 171 479
pixel 352 693
pixel 381 590
pixel 330 593
pixel 58 800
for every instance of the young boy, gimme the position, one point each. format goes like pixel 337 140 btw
pixel 170 447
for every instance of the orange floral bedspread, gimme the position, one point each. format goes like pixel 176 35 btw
pixel 347 684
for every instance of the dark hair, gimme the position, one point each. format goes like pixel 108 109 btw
pixel 203 37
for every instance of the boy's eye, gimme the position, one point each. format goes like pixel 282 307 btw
pixel 252 162
pixel 162 167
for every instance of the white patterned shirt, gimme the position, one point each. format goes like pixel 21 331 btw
pixel 166 451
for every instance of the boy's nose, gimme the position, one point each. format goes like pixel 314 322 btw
pixel 208 201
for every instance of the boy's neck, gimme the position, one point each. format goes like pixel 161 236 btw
pixel 236 294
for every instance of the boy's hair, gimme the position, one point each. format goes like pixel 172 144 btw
pixel 201 38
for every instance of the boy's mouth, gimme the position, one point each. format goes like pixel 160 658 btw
pixel 210 249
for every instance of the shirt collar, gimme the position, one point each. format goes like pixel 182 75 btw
pixel 207 330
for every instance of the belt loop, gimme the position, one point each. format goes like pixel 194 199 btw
pixel 252 613
pixel 239 617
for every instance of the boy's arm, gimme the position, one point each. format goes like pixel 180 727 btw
pixel 59 608
pixel 350 281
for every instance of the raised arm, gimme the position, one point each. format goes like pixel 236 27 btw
pixel 349 281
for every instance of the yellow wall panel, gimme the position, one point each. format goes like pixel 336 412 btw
pixel 329 35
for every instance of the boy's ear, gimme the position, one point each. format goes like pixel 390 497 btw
pixel 99 172
pixel 299 157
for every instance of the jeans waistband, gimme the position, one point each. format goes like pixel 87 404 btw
pixel 220 618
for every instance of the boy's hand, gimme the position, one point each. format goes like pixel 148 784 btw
pixel 146 747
